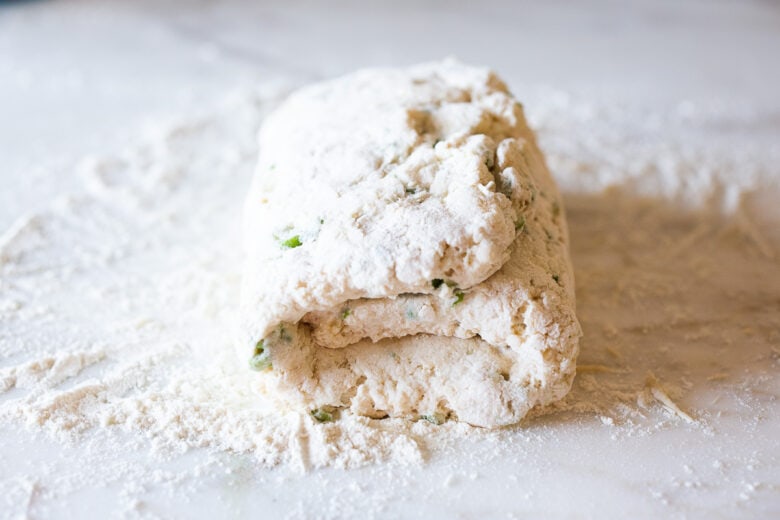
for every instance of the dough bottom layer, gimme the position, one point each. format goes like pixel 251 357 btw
pixel 423 376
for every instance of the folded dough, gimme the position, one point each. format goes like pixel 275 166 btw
pixel 407 252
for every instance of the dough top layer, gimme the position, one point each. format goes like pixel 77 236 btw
pixel 379 183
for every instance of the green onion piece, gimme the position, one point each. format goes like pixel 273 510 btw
pixel 556 278
pixel 345 313
pixel 284 334
pixel 458 297
pixel 292 242
pixel 436 282
pixel 520 224
pixel 433 418
pixel 322 415
pixel 261 359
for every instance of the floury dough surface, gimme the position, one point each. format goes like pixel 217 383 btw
pixel 408 251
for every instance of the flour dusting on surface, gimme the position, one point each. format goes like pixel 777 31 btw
pixel 677 291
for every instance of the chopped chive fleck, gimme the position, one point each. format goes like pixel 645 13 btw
pixel 292 242
pixel 345 313
pixel 261 359
pixel 411 314
pixel 322 415
pixel 556 278
pixel 433 418
pixel 436 282
pixel 520 224
pixel 458 297
pixel 284 334
pixel 322 221
pixel 411 190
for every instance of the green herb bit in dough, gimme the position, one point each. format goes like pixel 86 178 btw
pixel 433 418
pixel 411 314
pixel 556 278
pixel 345 313
pixel 284 334
pixel 458 297
pixel 261 359
pixel 436 282
pixel 411 191
pixel 292 242
pixel 520 224
pixel 322 415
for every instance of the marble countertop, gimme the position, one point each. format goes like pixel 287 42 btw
pixel 78 76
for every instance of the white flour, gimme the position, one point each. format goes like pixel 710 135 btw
pixel 116 303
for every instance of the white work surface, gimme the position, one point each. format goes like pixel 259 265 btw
pixel 79 77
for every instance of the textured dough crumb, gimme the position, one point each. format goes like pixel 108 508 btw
pixel 407 251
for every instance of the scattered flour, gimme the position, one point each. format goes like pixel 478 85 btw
pixel 117 302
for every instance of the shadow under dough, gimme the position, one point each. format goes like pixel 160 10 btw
pixel 680 301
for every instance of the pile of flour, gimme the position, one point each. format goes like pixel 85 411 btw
pixel 117 302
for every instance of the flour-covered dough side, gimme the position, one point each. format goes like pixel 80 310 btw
pixel 407 251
